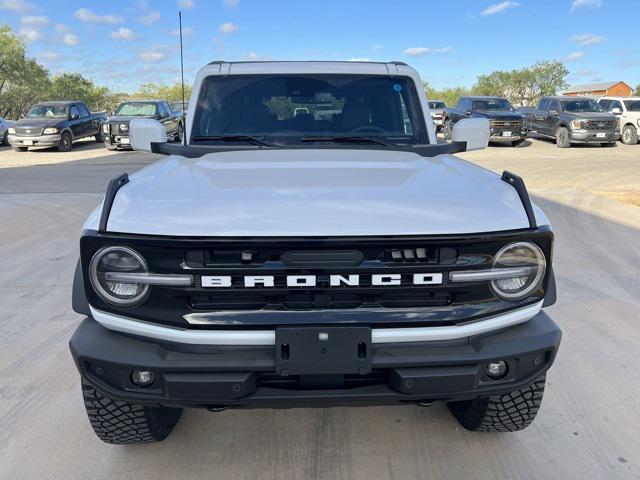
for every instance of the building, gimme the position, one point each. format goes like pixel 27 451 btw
pixel 615 89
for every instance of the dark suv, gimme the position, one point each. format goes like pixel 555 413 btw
pixel 506 123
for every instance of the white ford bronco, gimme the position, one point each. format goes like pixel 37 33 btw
pixel 283 258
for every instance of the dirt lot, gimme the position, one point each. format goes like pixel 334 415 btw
pixel 588 426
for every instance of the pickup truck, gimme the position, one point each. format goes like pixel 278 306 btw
pixel 571 120
pixel 437 108
pixel 506 123
pixel 628 111
pixel 4 130
pixel 56 124
pixel 116 129
pixel 289 260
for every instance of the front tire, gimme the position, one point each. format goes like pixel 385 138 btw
pixel 100 135
pixel 629 135
pixel 562 137
pixel 179 133
pixel 447 130
pixel 122 423
pixel 20 149
pixel 508 412
pixel 5 138
pixel 517 143
pixel 66 142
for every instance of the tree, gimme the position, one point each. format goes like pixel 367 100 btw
pixel 638 89
pixel 524 86
pixel 161 91
pixel 73 86
pixel 448 95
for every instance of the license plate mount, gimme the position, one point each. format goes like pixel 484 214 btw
pixel 506 134
pixel 28 142
pixel 601 135
pixel 323 350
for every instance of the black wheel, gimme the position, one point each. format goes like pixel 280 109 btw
pixel 517 143
pixel 609 144
pixel 180 133
pixel 447 130
pixel 99 135
pixel 20 149
pixel 66 142
pixel 5 138
pixel 629 135
pixel 562 137
pixel 508 412
pixel 122 423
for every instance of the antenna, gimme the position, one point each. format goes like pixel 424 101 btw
pixel 184 132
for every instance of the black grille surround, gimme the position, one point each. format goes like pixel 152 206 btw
pixel 238 307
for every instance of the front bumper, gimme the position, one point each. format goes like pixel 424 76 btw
pixel 437 121
pixel 246 376
pixel 587 136
pixel 118 141
pixel 498 136
pixel 35 141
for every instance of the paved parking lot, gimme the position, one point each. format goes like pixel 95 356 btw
pixel 588 426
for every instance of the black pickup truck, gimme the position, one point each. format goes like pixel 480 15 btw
pixel 56 124
pixel 505 121
pixel 571 120
pixel 116 130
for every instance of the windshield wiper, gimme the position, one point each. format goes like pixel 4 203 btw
pixel 350 139
pixel 237 138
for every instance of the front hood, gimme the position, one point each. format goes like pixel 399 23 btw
pixel 39 122
pixel 314 193
pixel 499 114
pixel 128 118
pixel 591 115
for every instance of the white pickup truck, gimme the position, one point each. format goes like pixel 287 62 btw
pixel 628 111
pixel 279 258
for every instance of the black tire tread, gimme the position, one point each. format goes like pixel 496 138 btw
pixel 508 412
pixel 122 423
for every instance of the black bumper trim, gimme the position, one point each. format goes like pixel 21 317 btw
pixel 243 376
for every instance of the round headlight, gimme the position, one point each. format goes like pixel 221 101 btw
pixel 117 260
pixel 124 127
pixel 521 256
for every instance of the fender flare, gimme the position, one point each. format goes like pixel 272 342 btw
pixel 79 301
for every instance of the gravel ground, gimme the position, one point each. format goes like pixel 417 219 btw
pixel 588 426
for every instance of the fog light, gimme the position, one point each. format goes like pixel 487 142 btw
pixel 497 370
pixel 142 378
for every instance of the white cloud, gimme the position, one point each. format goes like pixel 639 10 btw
pixel 185 31
pixel 499 8
pixel 231 3
pixel 572 57
pixel 154 55
pixel 585 3
pixel 61 27
pixel 70 39
pixel 48 56
pixel 585 39
pixel 422 51
pixel 228 27
pixel 377 48
pixel 149 18
pixel 86 15
pixel 18 6
pixel 123 34
pixel 28 34
pixel 186 4
pixel 34 20
pixel 254 57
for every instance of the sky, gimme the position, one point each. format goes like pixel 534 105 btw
pixel 122 44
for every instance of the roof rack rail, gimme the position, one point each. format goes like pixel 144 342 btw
pixel 516 182
pixel 114 185
pixel 396 62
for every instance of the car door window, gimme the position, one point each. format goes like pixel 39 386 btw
pixel 605 104
pixel 614 104
pixel 544 104
pixel 83 111
pixel 554 105
pixel 74 111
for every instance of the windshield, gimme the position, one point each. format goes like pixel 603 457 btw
pixel 177 106
pixel 48 111
pixel 632 105
pixel 136 109
pixel 437 105
pixel 291 109
pixel 492 104
pixel 581 106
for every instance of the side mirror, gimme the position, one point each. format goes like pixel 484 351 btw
pixel 616 111
pixel 467 113
pixel 144 132
pixel 553 113
pixel 473 131
pixel 75 116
